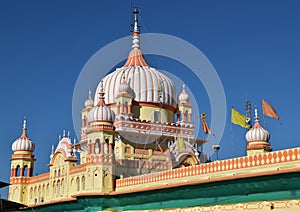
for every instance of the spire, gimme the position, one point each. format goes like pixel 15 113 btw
pixel 24 135
pixel 136 32
pixel 89 103
pixel 90 94
pixel 136 57
pixel 52 151
pixel 101 101
pixel 248 113
pixel 256 115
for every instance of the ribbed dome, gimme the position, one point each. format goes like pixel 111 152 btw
pixel 147 83
pixel 125 88
pixel 184 97
pixel 257 133
pixel 23 143
pixel 101 113
pixel 89 101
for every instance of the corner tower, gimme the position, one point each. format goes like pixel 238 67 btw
pixel 22 163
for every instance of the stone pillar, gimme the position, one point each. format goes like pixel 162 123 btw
pixel 110 148
pixel 22 171
pixel 102 147
pixel 190 117
pixel 93 148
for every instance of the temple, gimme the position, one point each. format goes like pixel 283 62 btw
pixel 138 152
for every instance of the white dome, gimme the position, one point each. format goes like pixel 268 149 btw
pixel 23 143
pixel 145 82
pixel 89 101
pixel 101 113
pixel 125 88
pixel 184 97
pixel 257 133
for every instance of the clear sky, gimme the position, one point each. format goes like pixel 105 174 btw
pixel 254 47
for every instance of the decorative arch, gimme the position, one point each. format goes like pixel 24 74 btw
pixel 58 158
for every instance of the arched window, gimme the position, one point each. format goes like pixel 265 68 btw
pixel 97 146
pixel 54 173
pixel 35 194
pixel 78 184
pixel 83 183
pixel 186 114
pixel 54 189
pixel 25 170
pixel 62 187
pixel 58 188
pixel 31 193
pixel 39 192
pixel 47 191
pixel 17 171
pixel 58 173
pixel 106 146
pixel 43 193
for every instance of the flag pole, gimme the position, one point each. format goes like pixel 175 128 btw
pixel 232 141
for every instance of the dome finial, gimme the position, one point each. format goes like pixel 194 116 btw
pixel 136 32
pixel 101 95
pixel 24 128
pixel 256 115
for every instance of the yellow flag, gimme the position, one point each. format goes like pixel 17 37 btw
pixel 239 119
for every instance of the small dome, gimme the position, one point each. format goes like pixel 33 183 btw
pixel 23 143
pixel 184 97
pixel 101 113
pixel 89 101
pixel 125 88
pixel 257 133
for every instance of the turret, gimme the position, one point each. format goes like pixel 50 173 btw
pixel 184 107
pixel 257 138
pixel 22 163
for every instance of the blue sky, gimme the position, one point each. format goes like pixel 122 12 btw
pixel 254 47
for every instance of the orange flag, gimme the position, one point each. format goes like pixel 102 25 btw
pixel 268 110
pixel 205 127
